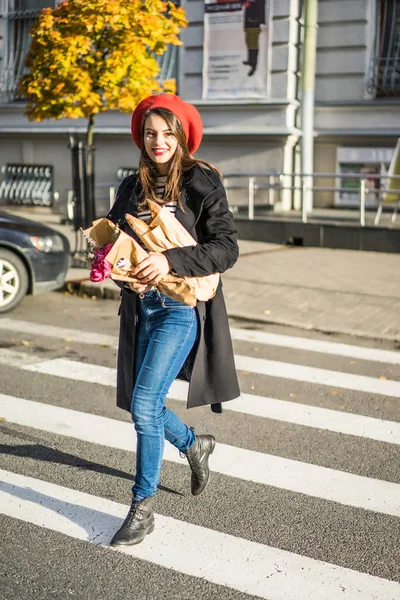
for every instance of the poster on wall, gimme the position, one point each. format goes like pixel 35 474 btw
pixel 236 49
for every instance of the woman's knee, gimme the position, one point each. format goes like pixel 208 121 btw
pixel 146 419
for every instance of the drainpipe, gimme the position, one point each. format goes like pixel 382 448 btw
pixel 307 99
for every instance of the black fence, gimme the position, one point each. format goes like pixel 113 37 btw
pixel 27 184
pixel 125 171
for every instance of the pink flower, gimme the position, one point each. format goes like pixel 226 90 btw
pixel 100 268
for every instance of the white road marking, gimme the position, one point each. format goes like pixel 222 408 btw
pixel 246 335
pixel 306 415
pixel 312 345
pixel 260 406
pixel 348 381
pixel 79 371
pixel 13 358
pixel 70 335
pixel 223 559
pixel 312 480
pixel 84 372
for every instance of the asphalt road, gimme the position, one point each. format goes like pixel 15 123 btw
pixel 304 498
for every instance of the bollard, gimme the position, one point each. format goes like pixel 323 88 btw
pixel 363 190
pixel 251 198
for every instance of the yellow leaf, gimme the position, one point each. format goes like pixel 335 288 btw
pixel 89 56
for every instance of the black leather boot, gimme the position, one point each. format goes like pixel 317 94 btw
pixel 198 455
pixel 138 523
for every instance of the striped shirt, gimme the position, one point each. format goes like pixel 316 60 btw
pixel 145 215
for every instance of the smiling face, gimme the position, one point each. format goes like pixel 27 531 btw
pixel 159 141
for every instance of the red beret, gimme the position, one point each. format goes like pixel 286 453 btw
pixel 187 114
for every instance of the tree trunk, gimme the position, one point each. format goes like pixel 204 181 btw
pixel 90 207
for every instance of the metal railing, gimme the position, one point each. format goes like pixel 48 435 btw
pixel 272 184
pixel 275 185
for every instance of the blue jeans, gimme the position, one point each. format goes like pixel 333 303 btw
pixel 167 331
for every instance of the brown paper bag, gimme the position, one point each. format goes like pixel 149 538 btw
pixel 178 289
pixel 102 232
pixel 173 230
pixel 164 232
pixel 125 254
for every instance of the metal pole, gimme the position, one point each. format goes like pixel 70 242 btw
pixel 251 198
pixel 307 97
pixel 362 202
pixel 304 204
pixel 269 192
pixel 90 207
pixel 378 214
pixel 111 193
pixel 71 205
pixel 76 182
pixel 82 183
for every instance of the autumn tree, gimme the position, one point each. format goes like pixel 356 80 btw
pixel 89 56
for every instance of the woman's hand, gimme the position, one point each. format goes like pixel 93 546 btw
pixel 153 268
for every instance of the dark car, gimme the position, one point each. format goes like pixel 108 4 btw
pixel 33 258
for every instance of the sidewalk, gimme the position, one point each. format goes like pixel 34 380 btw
pixel 335 291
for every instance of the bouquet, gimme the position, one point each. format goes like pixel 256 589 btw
pixel 111 252
pixel 114 253
pixel 164 232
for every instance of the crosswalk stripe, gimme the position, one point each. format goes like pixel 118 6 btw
pixel 312 345
pixel 245 335
pixel 306 415
pixel 272 368
pixel 13 358
pixel 312 480
pixel 236 563
pixel 71 335
pixel 260 406
pixel 79 371
pixel 360 383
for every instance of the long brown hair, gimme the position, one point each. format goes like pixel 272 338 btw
pixel 178 164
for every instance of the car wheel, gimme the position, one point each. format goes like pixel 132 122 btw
pixel 14 280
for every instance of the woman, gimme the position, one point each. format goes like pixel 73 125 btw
pixel 161 339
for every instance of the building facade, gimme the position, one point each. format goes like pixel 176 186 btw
pixel 356 115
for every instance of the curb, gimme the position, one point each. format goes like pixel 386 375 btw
pixel 366 335
pixel 88 288
pixel 85 287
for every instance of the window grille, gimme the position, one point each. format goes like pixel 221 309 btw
pixel 384 77
pixel 16 19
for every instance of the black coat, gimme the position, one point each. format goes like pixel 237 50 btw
pixel 210 366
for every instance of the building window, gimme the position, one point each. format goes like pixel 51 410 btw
pixel 384 79
pixel 16 19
